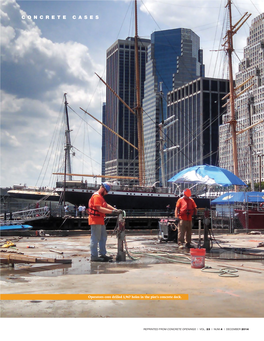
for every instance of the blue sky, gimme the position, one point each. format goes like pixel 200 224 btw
pixel 43 58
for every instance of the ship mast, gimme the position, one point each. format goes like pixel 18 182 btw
pixel 68 145
pixel 67 149
pixel 233 121
pixel 138 110
pixel 229 42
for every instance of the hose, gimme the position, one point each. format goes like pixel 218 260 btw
pixel 224 272
pixel 127 252
pixel 184 260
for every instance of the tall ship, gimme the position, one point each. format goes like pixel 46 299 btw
pixel 128 193
pixel 135 195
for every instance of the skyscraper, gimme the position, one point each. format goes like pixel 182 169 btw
pixel 197 109
pixel 174 58
pixel 249 108
pixel 121 158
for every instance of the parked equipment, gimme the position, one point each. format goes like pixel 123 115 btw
pixel 168 230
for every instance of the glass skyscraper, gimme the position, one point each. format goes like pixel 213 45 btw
pixel 174 58
pixel 121 159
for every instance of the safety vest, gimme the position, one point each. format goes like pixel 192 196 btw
pixel 96 217
pixel 186 208
pixel 91 208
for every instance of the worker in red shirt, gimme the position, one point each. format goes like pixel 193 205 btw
pixel 184 210
pixel 98 208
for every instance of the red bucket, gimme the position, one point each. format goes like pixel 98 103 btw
pixel 197 258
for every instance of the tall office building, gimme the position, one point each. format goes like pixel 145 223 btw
pixel 249 110
pixel 103 141
pixel 121 159
pixel 174 58
pixel 196 109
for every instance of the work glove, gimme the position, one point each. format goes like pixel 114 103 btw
pixel 117 212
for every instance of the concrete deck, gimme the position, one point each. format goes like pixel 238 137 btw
pixel 209 295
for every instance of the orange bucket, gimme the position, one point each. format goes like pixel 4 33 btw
pixel 197 258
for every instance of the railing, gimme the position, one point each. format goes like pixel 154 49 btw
pixel 25 216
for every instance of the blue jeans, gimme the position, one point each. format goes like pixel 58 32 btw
pixel 98 236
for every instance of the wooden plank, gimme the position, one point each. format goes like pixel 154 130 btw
pixel 24 258
pixel 13 258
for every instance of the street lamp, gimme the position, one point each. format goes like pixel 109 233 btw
pixel 170 148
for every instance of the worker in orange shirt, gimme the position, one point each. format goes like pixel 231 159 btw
pixel 98 208
pixel 184 210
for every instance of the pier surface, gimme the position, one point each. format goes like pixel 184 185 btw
pixel 156 268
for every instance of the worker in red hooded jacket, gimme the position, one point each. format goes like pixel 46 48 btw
pixel 184 210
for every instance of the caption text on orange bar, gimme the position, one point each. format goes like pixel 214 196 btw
pixel 84 297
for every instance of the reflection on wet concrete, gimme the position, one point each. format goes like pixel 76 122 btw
pixel 145 251
pixel 236 254
pixel 79 266
pixel 82 266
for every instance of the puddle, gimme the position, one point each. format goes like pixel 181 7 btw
pixel 79 266
pixel 15 279
pixel 237 254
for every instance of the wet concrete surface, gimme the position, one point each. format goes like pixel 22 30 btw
pixel 156 268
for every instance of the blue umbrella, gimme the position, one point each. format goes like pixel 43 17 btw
pixel 233 197
pixel 208 175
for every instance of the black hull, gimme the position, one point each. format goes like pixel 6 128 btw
pixel 132 201
pixel 33 196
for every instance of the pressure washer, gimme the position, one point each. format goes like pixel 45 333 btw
pixel 168 230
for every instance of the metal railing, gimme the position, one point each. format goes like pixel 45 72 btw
pixel 25 215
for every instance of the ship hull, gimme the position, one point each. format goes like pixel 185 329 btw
pixel 33 195
pixel 251 219
pixel 131 200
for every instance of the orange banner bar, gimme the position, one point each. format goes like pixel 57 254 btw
pixel 84 297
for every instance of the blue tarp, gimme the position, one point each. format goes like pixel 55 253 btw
pixel 15 227
pixel 231 198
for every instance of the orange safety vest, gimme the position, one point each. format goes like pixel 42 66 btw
pixel 96 217
pixel 186 208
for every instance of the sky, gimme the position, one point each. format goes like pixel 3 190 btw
pixel 49 48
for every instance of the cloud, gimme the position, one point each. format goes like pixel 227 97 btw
pixel 35 74
pixel 43 64
pixel 40 62
pixel 11 139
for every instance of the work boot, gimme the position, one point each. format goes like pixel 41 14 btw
pixel 181 246
pixel 107 258
pixel 98 259
pixel 189 245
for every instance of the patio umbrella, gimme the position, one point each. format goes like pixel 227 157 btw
pixel 233 197
pixel 208 175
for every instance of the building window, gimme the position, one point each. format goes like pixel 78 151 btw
pixel 206 84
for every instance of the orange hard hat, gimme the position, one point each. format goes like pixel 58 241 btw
pixel 187 192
